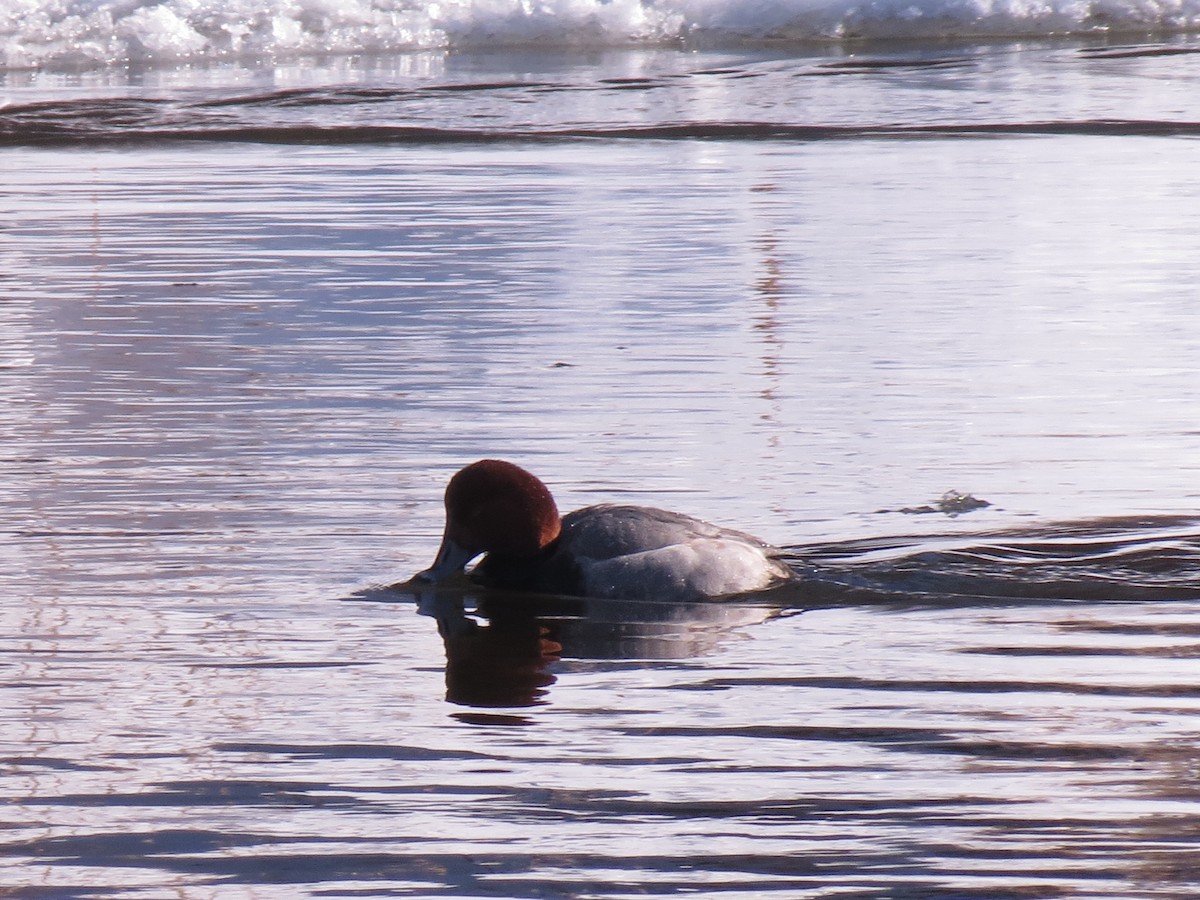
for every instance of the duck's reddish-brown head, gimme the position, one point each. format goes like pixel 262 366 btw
pixel 496 507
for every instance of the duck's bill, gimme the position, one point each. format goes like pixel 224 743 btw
pixel 451 558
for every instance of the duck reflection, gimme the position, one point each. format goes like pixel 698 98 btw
pixel 501 649
pixel 501 662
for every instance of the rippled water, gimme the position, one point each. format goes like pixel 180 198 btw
pixel 237 375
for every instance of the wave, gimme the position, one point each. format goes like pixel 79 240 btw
pixel 37 34
pixel 1104 560
pixel 123 121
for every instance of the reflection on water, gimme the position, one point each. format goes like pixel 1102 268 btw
pixel 501 663
pixel 502 653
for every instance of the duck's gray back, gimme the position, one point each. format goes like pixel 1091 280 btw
pixel 609 530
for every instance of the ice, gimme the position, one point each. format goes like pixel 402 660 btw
pixel 71 33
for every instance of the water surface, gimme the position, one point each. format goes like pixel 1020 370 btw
pixel 237 372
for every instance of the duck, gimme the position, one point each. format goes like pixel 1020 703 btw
pixel 500 511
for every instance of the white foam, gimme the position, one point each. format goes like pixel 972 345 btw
pixel 41 33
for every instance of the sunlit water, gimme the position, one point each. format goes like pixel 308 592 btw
pixel 236 375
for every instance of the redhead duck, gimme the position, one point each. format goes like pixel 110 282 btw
pixel 608 551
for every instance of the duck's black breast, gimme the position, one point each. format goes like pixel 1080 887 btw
pixel 550 572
